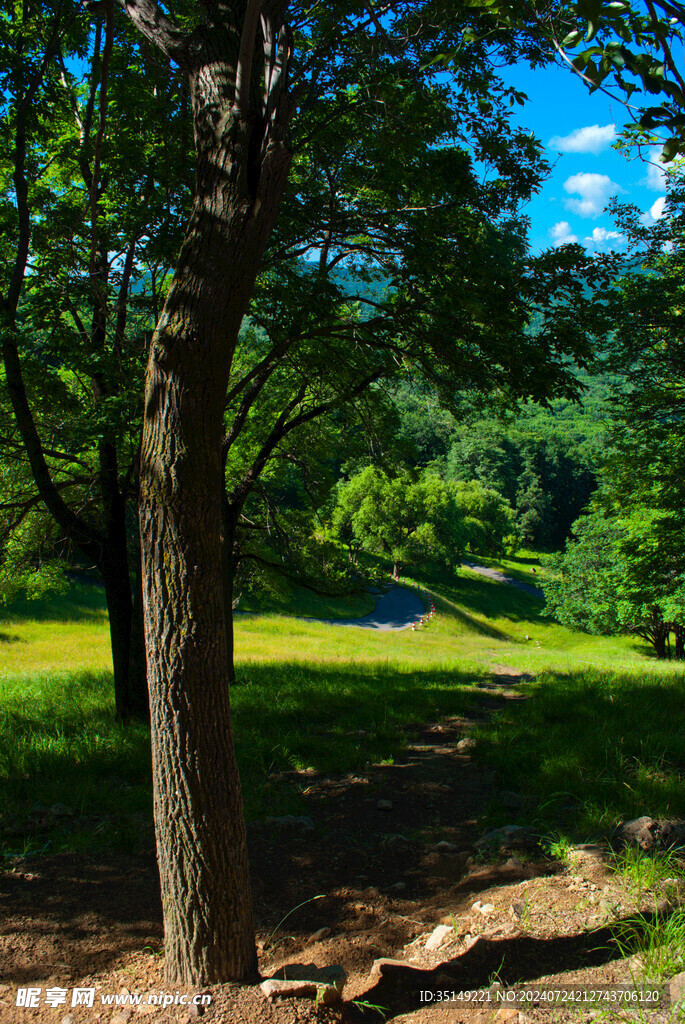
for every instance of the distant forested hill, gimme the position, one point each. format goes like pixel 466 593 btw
pixel 543 461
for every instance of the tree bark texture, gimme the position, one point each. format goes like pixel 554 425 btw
pixel 128 656
pixel 228 569
pixel 201 841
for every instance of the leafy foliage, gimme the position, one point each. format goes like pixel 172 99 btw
pixel 490 519
pixel 403 517
pixel 626 49
pixel 635 537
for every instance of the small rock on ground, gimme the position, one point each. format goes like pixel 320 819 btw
pixel 438 936
pixel 333 974
pixel 507 836
pixel 275 988
pixel 677 988
pixel 651 834
pixel 468 743
pixel 397 970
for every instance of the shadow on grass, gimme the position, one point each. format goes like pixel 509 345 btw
pixel 10 638
pixel 60 745
pixel 84 602
pixel 584 750
pixel 332 718
pixel 592 748
pixel 486 597
pixel 471 624
pixel 523 560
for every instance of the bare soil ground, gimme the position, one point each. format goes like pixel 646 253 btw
pixel 515 918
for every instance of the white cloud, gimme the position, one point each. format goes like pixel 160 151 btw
pixel 656 171
pixel 604 240
pixel 561 233
pixel 654 213
pixel 594 191
pixel 591 139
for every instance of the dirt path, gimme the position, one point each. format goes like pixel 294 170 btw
pixel 379 859
pixel 501 577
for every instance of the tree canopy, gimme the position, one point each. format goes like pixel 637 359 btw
pixel 625 569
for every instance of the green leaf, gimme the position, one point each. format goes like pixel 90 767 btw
pixel 670 150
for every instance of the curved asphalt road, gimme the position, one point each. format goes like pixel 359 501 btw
pixel 395 609
pixel 399 607
pixel 501 577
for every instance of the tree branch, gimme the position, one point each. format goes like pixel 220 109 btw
pixel 664 46
pixel 240 492
pixel 159 29
pixel 283 427
pixel 245 57
pixel 253 390
pixel 276 352
pixel 122 303
pixel 88 539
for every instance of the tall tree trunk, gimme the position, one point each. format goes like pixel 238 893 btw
pixel 128 654
pixel 228 568
pixel 120 611
pixel 657 633
pixel 201 840
pixel 130 685
pixel 137 673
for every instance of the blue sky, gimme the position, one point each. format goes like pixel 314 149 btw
pixel 577 129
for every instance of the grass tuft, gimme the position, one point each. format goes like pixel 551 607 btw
pixel 658 942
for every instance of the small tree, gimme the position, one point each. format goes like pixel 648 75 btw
pixel 615 577
pixel 490 519
pixel 404 518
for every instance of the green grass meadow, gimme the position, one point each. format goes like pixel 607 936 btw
pixel 601 736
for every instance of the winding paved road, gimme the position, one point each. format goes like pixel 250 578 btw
pixel 398 607
pixel 395 609
pixel 501 577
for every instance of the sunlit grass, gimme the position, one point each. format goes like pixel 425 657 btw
pixel 650 874
pixel 64 635
pixel 479 624
pixel 597 739
pixel 659 943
